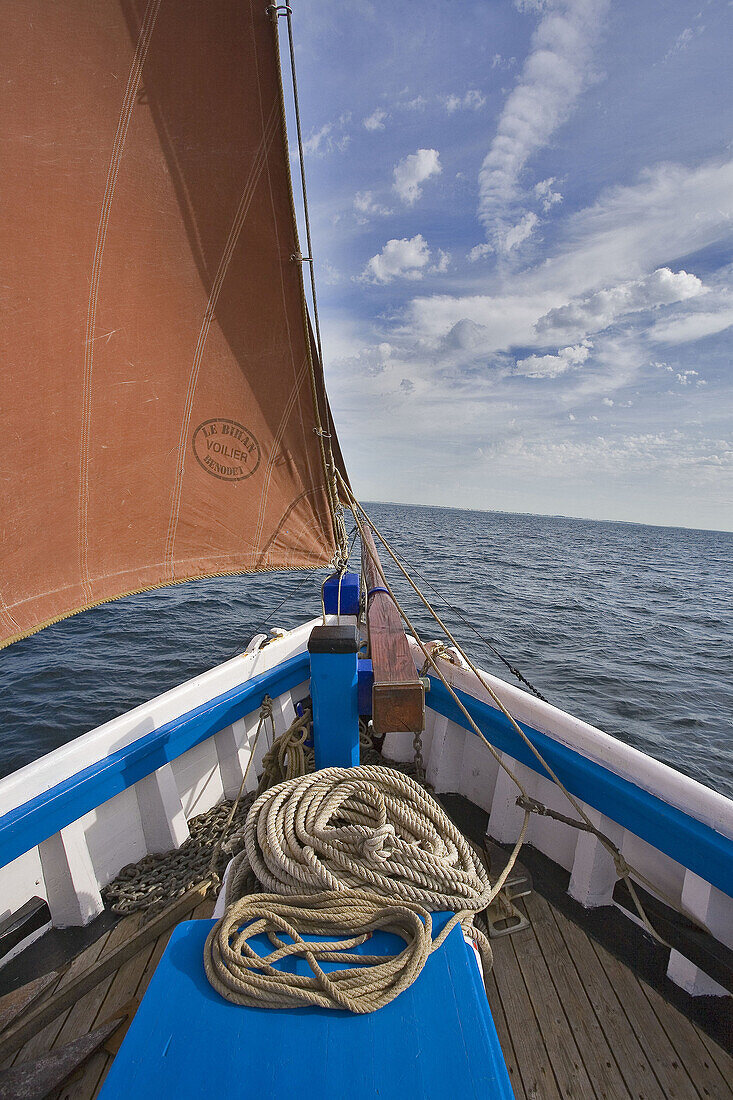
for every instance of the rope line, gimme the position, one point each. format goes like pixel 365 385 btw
pixel 343 851
pixel 516 672
pixel 623 868
pixel 324 438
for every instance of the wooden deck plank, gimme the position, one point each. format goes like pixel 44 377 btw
pixel 82 1017
pixel 122 989
pixel 505 1038
pixel 158 948
pixel 669 1070
pixel 538 1078
pixel 204 909
pixel 557 1034
pixel 721 1057
pixel 597 1055
pixel 683 1036
pixel 44 1040
pixel 623 1040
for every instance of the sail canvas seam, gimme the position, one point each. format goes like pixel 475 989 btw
pixel 279 102
pixel 323 442
pixel 123 125
pixel 274 451
pixel 312 492
pixel 6 612
pixel 234 234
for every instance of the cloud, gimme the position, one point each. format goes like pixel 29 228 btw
pixel 473 100
pixel 414 170
pixel 687 378
pixel 550 366
pixel 399 259
pixel 695 326
pixel 479 252
pixel 499 62
pixel 671 210
pixel 543 191
pixel 683 40
pixel 331 136
pixel 518 233
pixel 555 74
pixel 442 262
pixel 375 121
pixel 595 312
pixel 366 206
pixel 664 451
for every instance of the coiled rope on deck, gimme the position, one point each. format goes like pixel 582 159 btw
pixel 343 852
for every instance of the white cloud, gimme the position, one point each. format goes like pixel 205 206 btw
pixel 331 136
pixel 543 191
pixel 664 451
pixel 595 312
pixel 366 206
pixel 683 40
pixel 442 262
pixel 479 252
pixel 672 210
pixel 399 259
pixel 499 62
pixel 694 326
pixel 473 100
pixel 518 233
pixel 550 366
pixel 375 121
pixel 554 75
pixel 608 401
pixel 414 170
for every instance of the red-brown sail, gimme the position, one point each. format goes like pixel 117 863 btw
pixel 157 409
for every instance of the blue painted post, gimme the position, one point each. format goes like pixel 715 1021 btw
pixel 334 691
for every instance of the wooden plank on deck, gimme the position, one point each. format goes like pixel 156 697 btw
pixel 623 1040
pixel 588 1032
pixel 668 1067
pixel 685 1039
pixel 558 1036
pixel 533 1061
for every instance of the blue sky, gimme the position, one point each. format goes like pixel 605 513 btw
pixel 523 217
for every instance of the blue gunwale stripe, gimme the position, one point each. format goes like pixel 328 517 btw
pixel 678 835
pixel 23 827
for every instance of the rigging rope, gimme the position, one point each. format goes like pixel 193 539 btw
pixel 456 611
pixel 529 805
pixel 324 438
pixel 344 851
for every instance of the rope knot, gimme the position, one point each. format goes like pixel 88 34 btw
pixel 622 868
pixel 375 846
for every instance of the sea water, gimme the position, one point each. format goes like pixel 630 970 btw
pixel 626 626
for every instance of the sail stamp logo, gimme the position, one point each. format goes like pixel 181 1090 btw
pixel 226 449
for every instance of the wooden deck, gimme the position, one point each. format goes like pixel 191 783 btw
pixel 572 1020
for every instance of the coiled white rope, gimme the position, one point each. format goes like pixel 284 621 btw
pixel 343 852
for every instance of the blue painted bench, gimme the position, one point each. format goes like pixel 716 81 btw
pixel 437 1039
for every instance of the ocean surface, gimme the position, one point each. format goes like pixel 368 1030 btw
pixel 625 626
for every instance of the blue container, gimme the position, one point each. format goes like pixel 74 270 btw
pixel 349 594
